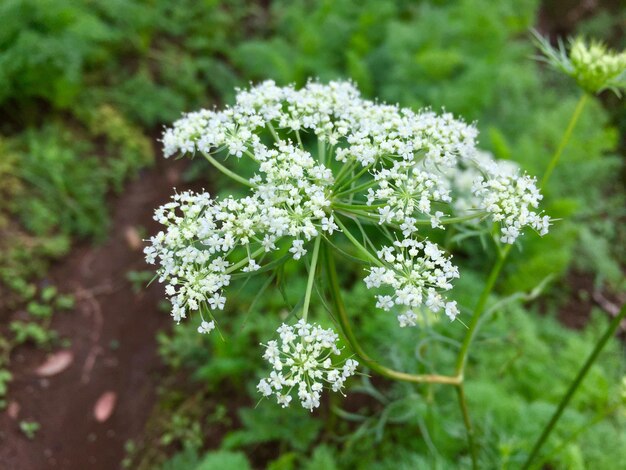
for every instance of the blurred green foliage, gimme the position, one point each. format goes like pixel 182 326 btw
pixel 46 47
pixel 57 179
pixel 84 88
pixel 520 367
pixel 67 196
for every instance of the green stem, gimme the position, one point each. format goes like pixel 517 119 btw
pixel 610 331
pixel 373 219
pixel 361 187
pixel 564 140
pixel 493 276
pixel 309 284
pixel 251 155
pixel 464 351
pixel 354 178
pixel 460 389
pixel 345 170
pixel 244 261
pixel 479 310
pixel 363 211
pixel 227 172
pixel 273 132
pixel 321 151
pixel 299 140
pixel 357 207
pixel 576 434
pixel 373 259
pixel 456 220
pixel 342 316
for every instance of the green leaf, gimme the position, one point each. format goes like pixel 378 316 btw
pixel 222 460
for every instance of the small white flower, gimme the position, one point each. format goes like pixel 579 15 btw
pixel 264 388
pixel 408 226
pixel 385 302
pixel 283 400
pixel 329 225
pixel 451 310
pixel 435 220
pixel 297 248
pixel 408 318
pixel 206 327
pixel 217 302
pixel 251 267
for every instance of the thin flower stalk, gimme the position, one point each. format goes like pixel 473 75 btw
pixel 571 390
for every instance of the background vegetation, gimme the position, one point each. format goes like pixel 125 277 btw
pixel 84 90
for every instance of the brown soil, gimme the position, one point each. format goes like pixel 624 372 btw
pixel 576 311
pixel 583 296
pixel 112 333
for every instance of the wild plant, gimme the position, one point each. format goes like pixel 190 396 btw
pixel 327 174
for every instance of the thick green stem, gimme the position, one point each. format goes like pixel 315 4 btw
pixel 299 139
pixel 344 321
pixel 356 207
pixel 479 310
pixel 311 280
pixel 564 140
pixel 321 151
pixel 227 172
pixel 460 389
pixel 610 331
pixel 273 132
pixel 467 341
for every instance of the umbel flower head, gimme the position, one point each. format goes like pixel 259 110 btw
pixel 304 360
pixel 321 164
pixel 594 67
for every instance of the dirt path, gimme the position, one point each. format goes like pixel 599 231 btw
pixel 112 334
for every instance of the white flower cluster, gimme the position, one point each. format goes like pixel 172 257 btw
pixel 405 163
pixel 302 360
pixel 487 187
pixel 290 198
pixel 416 272
pixel 196 273
pixel 406 190
pixel 335 112
pixel 293 193
pixel 460 182
pixel 380 163
pixel 510 200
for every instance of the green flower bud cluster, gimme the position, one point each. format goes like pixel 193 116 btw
pixel 594 67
